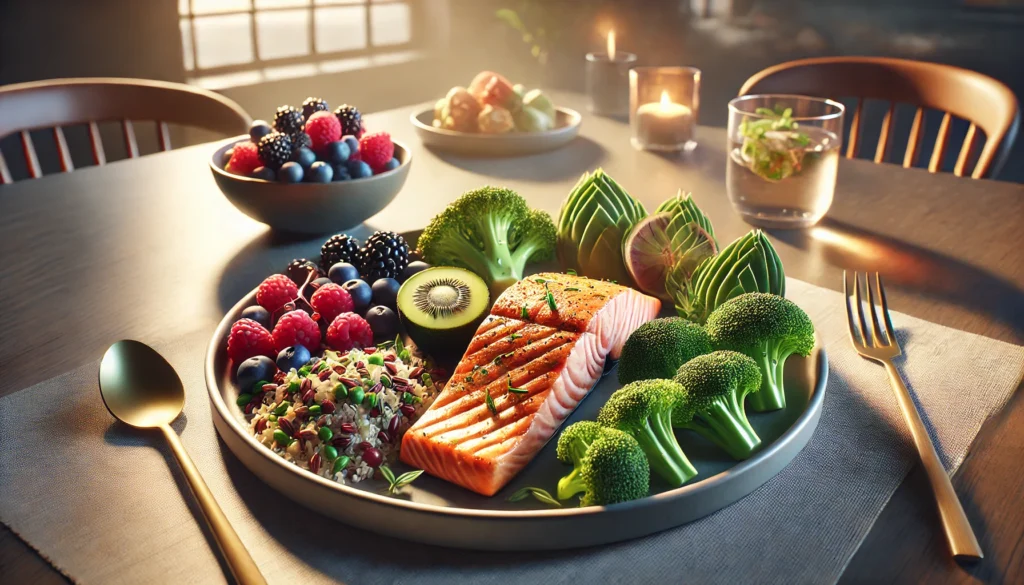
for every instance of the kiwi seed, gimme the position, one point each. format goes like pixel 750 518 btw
pixel 442 297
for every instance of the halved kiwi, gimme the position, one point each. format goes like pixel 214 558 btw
pixel 441 308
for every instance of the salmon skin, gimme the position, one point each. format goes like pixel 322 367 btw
pixel 530 363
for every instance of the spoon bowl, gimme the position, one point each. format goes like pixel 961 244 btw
pixel 138 386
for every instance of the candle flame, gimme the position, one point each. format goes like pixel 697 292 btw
pixel 611 45
pixel 664 98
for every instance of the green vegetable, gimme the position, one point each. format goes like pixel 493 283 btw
pixel 375 359
pixel 325 434
pixel 370 400
pixel 750 264
pixel 769 329
pixel 593 223
pixel 492 232
pixel 330 453
pixel 773 148
pixel 657 348
pixel 490 402
pixel 714 386
pixel 397 483
pixel 684 211
pixel 294 386
pixel 340 391
pixel 644 409
pixel 281 438
pixel 340 464
pixel 243 399
pixel 304 370
pixel 608 465
pixel 541 495
pixel 282 408
pixel 356 395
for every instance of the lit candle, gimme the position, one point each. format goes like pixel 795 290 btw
pixel 607 79
pixel 664 125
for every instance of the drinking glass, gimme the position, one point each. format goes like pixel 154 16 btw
pixel 783 158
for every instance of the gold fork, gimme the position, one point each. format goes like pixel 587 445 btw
pixel 880 347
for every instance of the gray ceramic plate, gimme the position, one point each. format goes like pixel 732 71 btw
pixel 436 512
pixel 567 126
pixel 310 208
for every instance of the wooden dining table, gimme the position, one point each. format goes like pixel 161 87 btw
pixel 149 249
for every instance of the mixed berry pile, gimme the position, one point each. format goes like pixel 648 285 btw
pixel 312 144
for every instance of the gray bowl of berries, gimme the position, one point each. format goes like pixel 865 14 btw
pixel 313 181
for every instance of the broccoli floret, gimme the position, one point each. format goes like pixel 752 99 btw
pixel 714 386
pixel 769 329
pixel 657 348
pixel 644 410
pixel 492 232
pixel 608 465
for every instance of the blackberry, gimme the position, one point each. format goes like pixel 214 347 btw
pixel 288 120
pixel 300 139
pixel 298 270
pixel 339 248
pixel 274 150
pixel 313 105
pixel 385 255
pixel 351 120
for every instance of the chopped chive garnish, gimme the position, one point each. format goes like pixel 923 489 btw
pixel 524 313
pixel 550 298
pixel 515 390
pixel 572 288
pixel 541 495
pixel 484 371
pixel 514 337
pixel 571 272
pixel 540 280
pixel 490 402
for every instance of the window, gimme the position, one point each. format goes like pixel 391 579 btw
pixel 228 42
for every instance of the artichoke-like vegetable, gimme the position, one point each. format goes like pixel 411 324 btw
pixel 684 210
pixel 750 264
pixel 594 221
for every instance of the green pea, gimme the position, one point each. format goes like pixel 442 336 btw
pixel 272 417
pixel 315 410
pixel 340 392
pixel 376 359
pixel 282 408
pixel 340 464
pixel 281 437
pixel 259 386
pixel 370 401
pixel 385 381
pixel 404 355
pixel 294 387
pixel 325 434
pixel 330 453
pixel 356 395
pixel 243 399
pixel 426 379
pixel 304 370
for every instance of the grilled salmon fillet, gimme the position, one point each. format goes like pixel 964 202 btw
pixel 526 369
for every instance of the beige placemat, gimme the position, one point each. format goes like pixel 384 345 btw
pixel 106 505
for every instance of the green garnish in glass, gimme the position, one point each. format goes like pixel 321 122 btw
pixel 773 147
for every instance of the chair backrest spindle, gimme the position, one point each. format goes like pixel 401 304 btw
pixel 164 136
pixel 130 144
pixel 31 159
pixel 98 155
pixel 62 150
pixel 882 151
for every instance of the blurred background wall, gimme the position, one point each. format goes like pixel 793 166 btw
pixel 380 54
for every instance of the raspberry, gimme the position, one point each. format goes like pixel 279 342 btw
pixel 247 339
pixel 275 292
pixel 244 159
pixel 323 128
pixel 376 150
pixel 349 330
pixel 331 300
pixel 297 328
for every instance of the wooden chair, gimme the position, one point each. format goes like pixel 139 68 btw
pixel 984 102
pixel 64 102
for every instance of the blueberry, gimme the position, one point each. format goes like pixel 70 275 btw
pixel 391 164
pixel 383 321
pixel 353 144
pixel 257 314
pixel 259 129
pixel 264 173
pixel 361 294
pixel 320 172
pixel 227 156
pixel 359 169
pixel 385 292
pixel 341 172
pixel 311 287
pixel 343 272
pixel 254 370
pixel 290 172
pixel 304 156
pixel 413 268
pixel 292 358
pixel 337 152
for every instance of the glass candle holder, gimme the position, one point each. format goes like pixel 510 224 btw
pixel 663 107
pixel 608 82
pixel 783 158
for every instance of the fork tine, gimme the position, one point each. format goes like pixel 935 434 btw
pixel 889 329
pixel 880 340
pixel 854 336
pixel 858 297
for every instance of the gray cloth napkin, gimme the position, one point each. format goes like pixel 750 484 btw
pixel 108 505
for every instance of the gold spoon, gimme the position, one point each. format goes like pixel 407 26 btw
pixel 141 389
